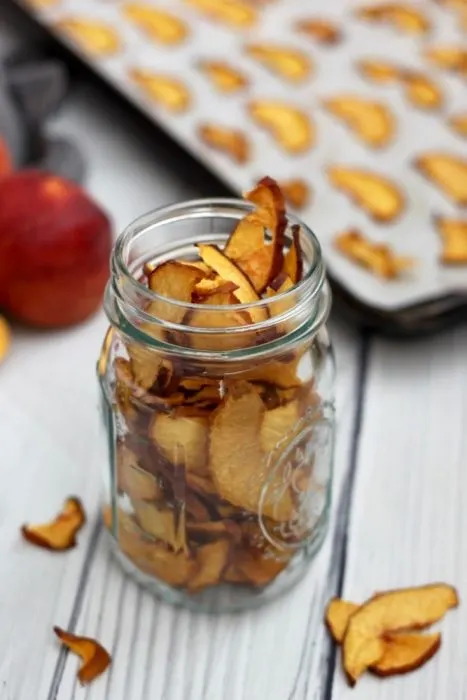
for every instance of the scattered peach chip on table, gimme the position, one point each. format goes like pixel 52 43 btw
pixel 165 90
pixel 377 257
pixel 453 232
pixel 292 128
pixel 233 142
pixel 458 123
pixel 447 171
pixel 58 534
pixel 400 15
pixel 223 76
pixel 94 657
pixel 5 338
pixel 94 37
pixel 452 58
pixel 394 611
pixel 321 30
pixel 162 26
pixel 233 13
pixel 376 194
pixel 373 122
pixel 289 63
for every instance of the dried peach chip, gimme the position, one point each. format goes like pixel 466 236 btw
pixel 421 90
pixel 256 567
pixel 376 194
pixel 212 560
pixel 280 374
pixel 163 524
pixel 293 260
pixel 451 58
pixel 58 534
pixel 399 610
pixel 204 319
pixel 246 238
pixel 277 425
pixel 165 90
pixel 137 483
pixel 377 257
pixel 458 123
pixel 158 24
pixel 5 338
pixel 321 30
pixel 94 657
pixel 209 286
pixel 447 171
pixel 378 71
pixel 176 282
pixel 223 76
pixel 234 13
pixel 182 440
pixel 337 616
pixel 94 37
pixel 296 192
pixel 289 63
pixel 214 530
pixel 398 14
pixel 373 122
pixel 454 234
pixel 233 142
pixel 290 126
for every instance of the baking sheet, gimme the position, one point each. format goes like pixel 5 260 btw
pixel 334 74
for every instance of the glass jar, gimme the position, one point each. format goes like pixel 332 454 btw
pixel 220 436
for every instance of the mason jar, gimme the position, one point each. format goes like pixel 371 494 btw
pixel 220 436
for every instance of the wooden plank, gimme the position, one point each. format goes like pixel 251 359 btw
pixel 409 522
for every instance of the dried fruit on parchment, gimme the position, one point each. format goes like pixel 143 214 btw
pixel 420 89
pixel 448 57
pixel 95 38
pixel 5 338
pixel 58 534
pixel 453 232
pixel 458 123
pixel 394 611
pixel 165 90
pixel 291 127
pixel 403 653
pixel 164 27
pixel 447 171
pixel 378 70
pixel 373 122
pixel 233 142
pixel 95 659
pixel 377 257
pixel 297 192
pixel 402 16
pixel 286 62
pixel 236 14
pixel 225 77
pixel 376 194
pixel 323 31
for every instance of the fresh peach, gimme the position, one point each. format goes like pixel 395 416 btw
pixel 55 245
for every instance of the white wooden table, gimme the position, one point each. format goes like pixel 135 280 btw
pixel 400 490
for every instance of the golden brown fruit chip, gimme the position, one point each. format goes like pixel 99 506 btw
pixel 404 609
pixel 137 483
pixel 257 567
pixel 176 282
pixel 398 14
pixel 165 90
pixel 58 534
pixel 293 260
pixel 238 467
pixel 103 361
pixel 447 171
pixel 321 30
pixel 378 71
pixel 277 425
pixel 183 441
pixel 376 194
pixel 270 207
pixel 227 269
pixel 223 76
pixel 291 127
pixel 452 58
pixel 203 485
pixel 159 561
pixel 158 24
pixel 165 525
pixel 94 37
pixel 233 142
pixel 145 366
pixel 281 374
pixel 94 657
pixel 289 63
pixel 5 338
pixel 458 123
pixel 215 285
pixel 377 257
pixel 246 238
pixel 234 13
pixel 373 122
pixel 297 192
pixel 214 530
pixel 454 234
pixel 421 90
pixel 337 616
pixel 211 319
pixel 212 560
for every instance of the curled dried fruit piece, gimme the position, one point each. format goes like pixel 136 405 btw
pixel 103 360
pixel 215 285
pixel 94 37
pixel 337 617
pixel 137 483
pixel 321 30
pixel 421 90
pixel 289 63
pixel 458 123
pixel 223 76
pixel 293 260
pixel 277 424
pixel 404 609
pixel 5 338
pixel 165 90
pixel 447 171
pixel 377 257
pixel 230 141
pixel 213 319
pixel 212 559
pixel 378 71
pixel 58 534
pixel 373 122
pixel 158 24
pixel 182 440
pixel 234 13
pixel 163 524
pixel 297 192
pixel 454 234
pixel 400 15
pixel 376 194
pixel 451 58
pixel 176 282
pixel 94 657
pixel 291 127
